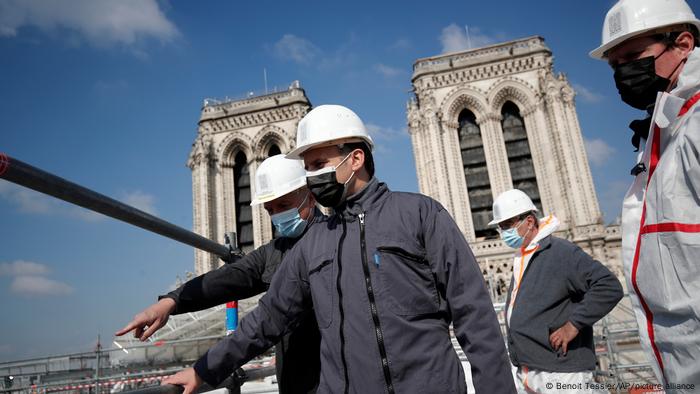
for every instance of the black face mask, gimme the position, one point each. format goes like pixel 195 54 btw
pixel 638 82
pixel 325 187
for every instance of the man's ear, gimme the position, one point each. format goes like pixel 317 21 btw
pixel 685 42
pixel 358 159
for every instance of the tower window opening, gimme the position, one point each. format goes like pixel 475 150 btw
pixel 476 174
pixel 244 217
pixel 522 170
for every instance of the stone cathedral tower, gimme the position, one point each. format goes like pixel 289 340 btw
pixel 489 119
pixel 233 138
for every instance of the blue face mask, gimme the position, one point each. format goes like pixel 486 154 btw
pixel 289 223
pixel 511 236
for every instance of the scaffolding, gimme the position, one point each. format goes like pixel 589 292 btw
pixel 621 359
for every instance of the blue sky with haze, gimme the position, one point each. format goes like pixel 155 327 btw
pixel 108 93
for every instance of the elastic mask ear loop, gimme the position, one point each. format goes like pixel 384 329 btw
pixel 674 70
pixel 343 161
pixel 345 184
pixel 302 204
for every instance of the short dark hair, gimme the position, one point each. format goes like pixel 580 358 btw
pixel 369 160
pixel 669 38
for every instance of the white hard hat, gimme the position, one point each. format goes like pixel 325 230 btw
pixel 328 125
pixel 631 18
pixel 510 204
pixel 276 177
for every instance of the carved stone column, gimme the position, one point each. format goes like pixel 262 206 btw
pixel 202 164
pixel 590 211
pixel 539 148
pixel 461 211
pixel 495 152
pixel 555 127
pixel 438 168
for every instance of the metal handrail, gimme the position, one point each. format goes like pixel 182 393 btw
pixel 23 174
pixel 233 382
pixel 166 389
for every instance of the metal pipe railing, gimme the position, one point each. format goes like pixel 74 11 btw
pixel 23 174
pixel 166 389
pixel 232 383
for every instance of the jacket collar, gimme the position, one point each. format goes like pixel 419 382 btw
pixel 545 243
pixel 372 194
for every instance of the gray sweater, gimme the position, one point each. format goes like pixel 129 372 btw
pixel 561 283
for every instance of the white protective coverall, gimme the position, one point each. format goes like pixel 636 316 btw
pixel 661 235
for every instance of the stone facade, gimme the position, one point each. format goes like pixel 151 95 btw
pixel 249 128
pixel 483 82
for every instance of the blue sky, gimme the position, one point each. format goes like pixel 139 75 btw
pixel 108 94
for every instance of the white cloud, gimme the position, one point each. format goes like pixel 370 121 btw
pixel 586 94
pixel 33 202
pixel 100 22
pixel 31 279
pixel 454 38
pixel 388 71
pixel 39 286
pixel 296 49
pixel 140 200
pixel 599 152
pixel 21 267
pixel 385 133
pixel 385 137
pixel 26 200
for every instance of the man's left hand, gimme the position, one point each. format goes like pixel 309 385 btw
pixel 562 336
pixel 187 378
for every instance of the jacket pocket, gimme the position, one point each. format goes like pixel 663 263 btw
pixel 407 279
pixel 321 281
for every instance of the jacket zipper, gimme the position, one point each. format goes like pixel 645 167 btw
pixel 340 307
pixel 373 308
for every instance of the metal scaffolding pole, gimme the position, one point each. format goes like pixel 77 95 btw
pixel 23 174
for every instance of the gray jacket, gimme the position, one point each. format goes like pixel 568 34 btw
pixel 386 276
pixel 561 283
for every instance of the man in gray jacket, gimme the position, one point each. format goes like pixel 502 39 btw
pixel 386 275
pixel 556 295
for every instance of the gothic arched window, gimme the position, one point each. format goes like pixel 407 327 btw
pixel 476 174
pixel 522 170
pixel 244 217
pixel 274 150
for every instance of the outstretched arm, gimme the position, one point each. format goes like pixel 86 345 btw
pixel 234 281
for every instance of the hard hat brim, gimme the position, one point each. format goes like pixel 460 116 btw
pixel 274 196
pixel 599 53
pixel 496 221
pixel 297 153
